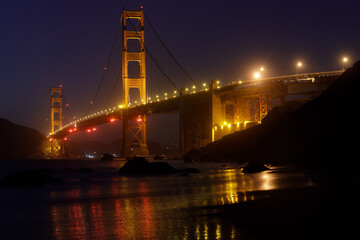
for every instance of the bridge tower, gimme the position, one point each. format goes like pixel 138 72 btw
pixel 134 127
pixel 57 145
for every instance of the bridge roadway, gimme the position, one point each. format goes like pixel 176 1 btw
pixel 201 111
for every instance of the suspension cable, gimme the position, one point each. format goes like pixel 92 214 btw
pixel 106 67
pixel 67 105
pixel 171 55
pixel 149 53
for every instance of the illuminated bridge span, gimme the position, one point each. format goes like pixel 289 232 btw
pixel 207 112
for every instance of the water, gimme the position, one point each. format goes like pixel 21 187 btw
pixel 105 205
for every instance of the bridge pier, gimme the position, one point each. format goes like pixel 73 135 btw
pixel 195 121
pixel 134 136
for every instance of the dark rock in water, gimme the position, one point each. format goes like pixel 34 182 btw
pixel 68 169
pixel 187 160
pixel 184 174
pixel 29 178
pixel 107 157
pixel 139 165
pixel 159 157
pixel 254 167
pixel 85 170
pixel 46 171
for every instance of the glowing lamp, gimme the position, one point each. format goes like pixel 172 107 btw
pixel 94 129
pixel 139 120
pixel 89 130
pixel 65 138
pixel 70 130
pixel 112 120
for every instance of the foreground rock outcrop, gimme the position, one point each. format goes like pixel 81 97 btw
pixel 139 165
pixel 319 134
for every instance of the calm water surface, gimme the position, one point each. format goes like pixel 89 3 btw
pixel 104 205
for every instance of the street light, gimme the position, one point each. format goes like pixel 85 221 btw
pixel 344 61
pixel 298 66
pixel 256 75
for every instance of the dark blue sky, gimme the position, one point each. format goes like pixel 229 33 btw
pixel 47 43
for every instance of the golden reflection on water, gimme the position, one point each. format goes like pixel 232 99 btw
pixel 141 215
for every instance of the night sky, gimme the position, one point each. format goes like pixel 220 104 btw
pixel 47 43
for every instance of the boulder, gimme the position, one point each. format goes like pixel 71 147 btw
pixel 85 170
pixel 139 165
pixel 107 157
pixel 254 167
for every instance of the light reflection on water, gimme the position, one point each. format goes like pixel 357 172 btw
pixel 166 207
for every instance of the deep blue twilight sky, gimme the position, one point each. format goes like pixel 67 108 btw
pixel 47 43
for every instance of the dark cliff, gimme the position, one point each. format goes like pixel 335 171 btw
pixel 19 142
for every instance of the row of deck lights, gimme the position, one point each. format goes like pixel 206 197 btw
pixel 257 75
pixel 136 103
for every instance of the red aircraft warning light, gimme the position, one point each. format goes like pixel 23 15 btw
pixel 139 119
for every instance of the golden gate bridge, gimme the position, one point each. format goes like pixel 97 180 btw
pixel 207 111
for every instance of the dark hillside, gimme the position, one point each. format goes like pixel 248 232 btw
pixel 19 142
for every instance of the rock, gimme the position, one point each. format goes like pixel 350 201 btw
pixel 85 170
pixel 187 160
pixel 68 169
pixel 29 178
pixel 159 157
pixel 107 157
pixel 254 167
pixel 184 174
pixel 139 165
pixel 46 171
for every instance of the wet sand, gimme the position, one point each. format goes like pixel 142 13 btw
pixel 328 210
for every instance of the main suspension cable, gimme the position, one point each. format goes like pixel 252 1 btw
pixel 171 55
pixel 106 67
pixel 151 56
